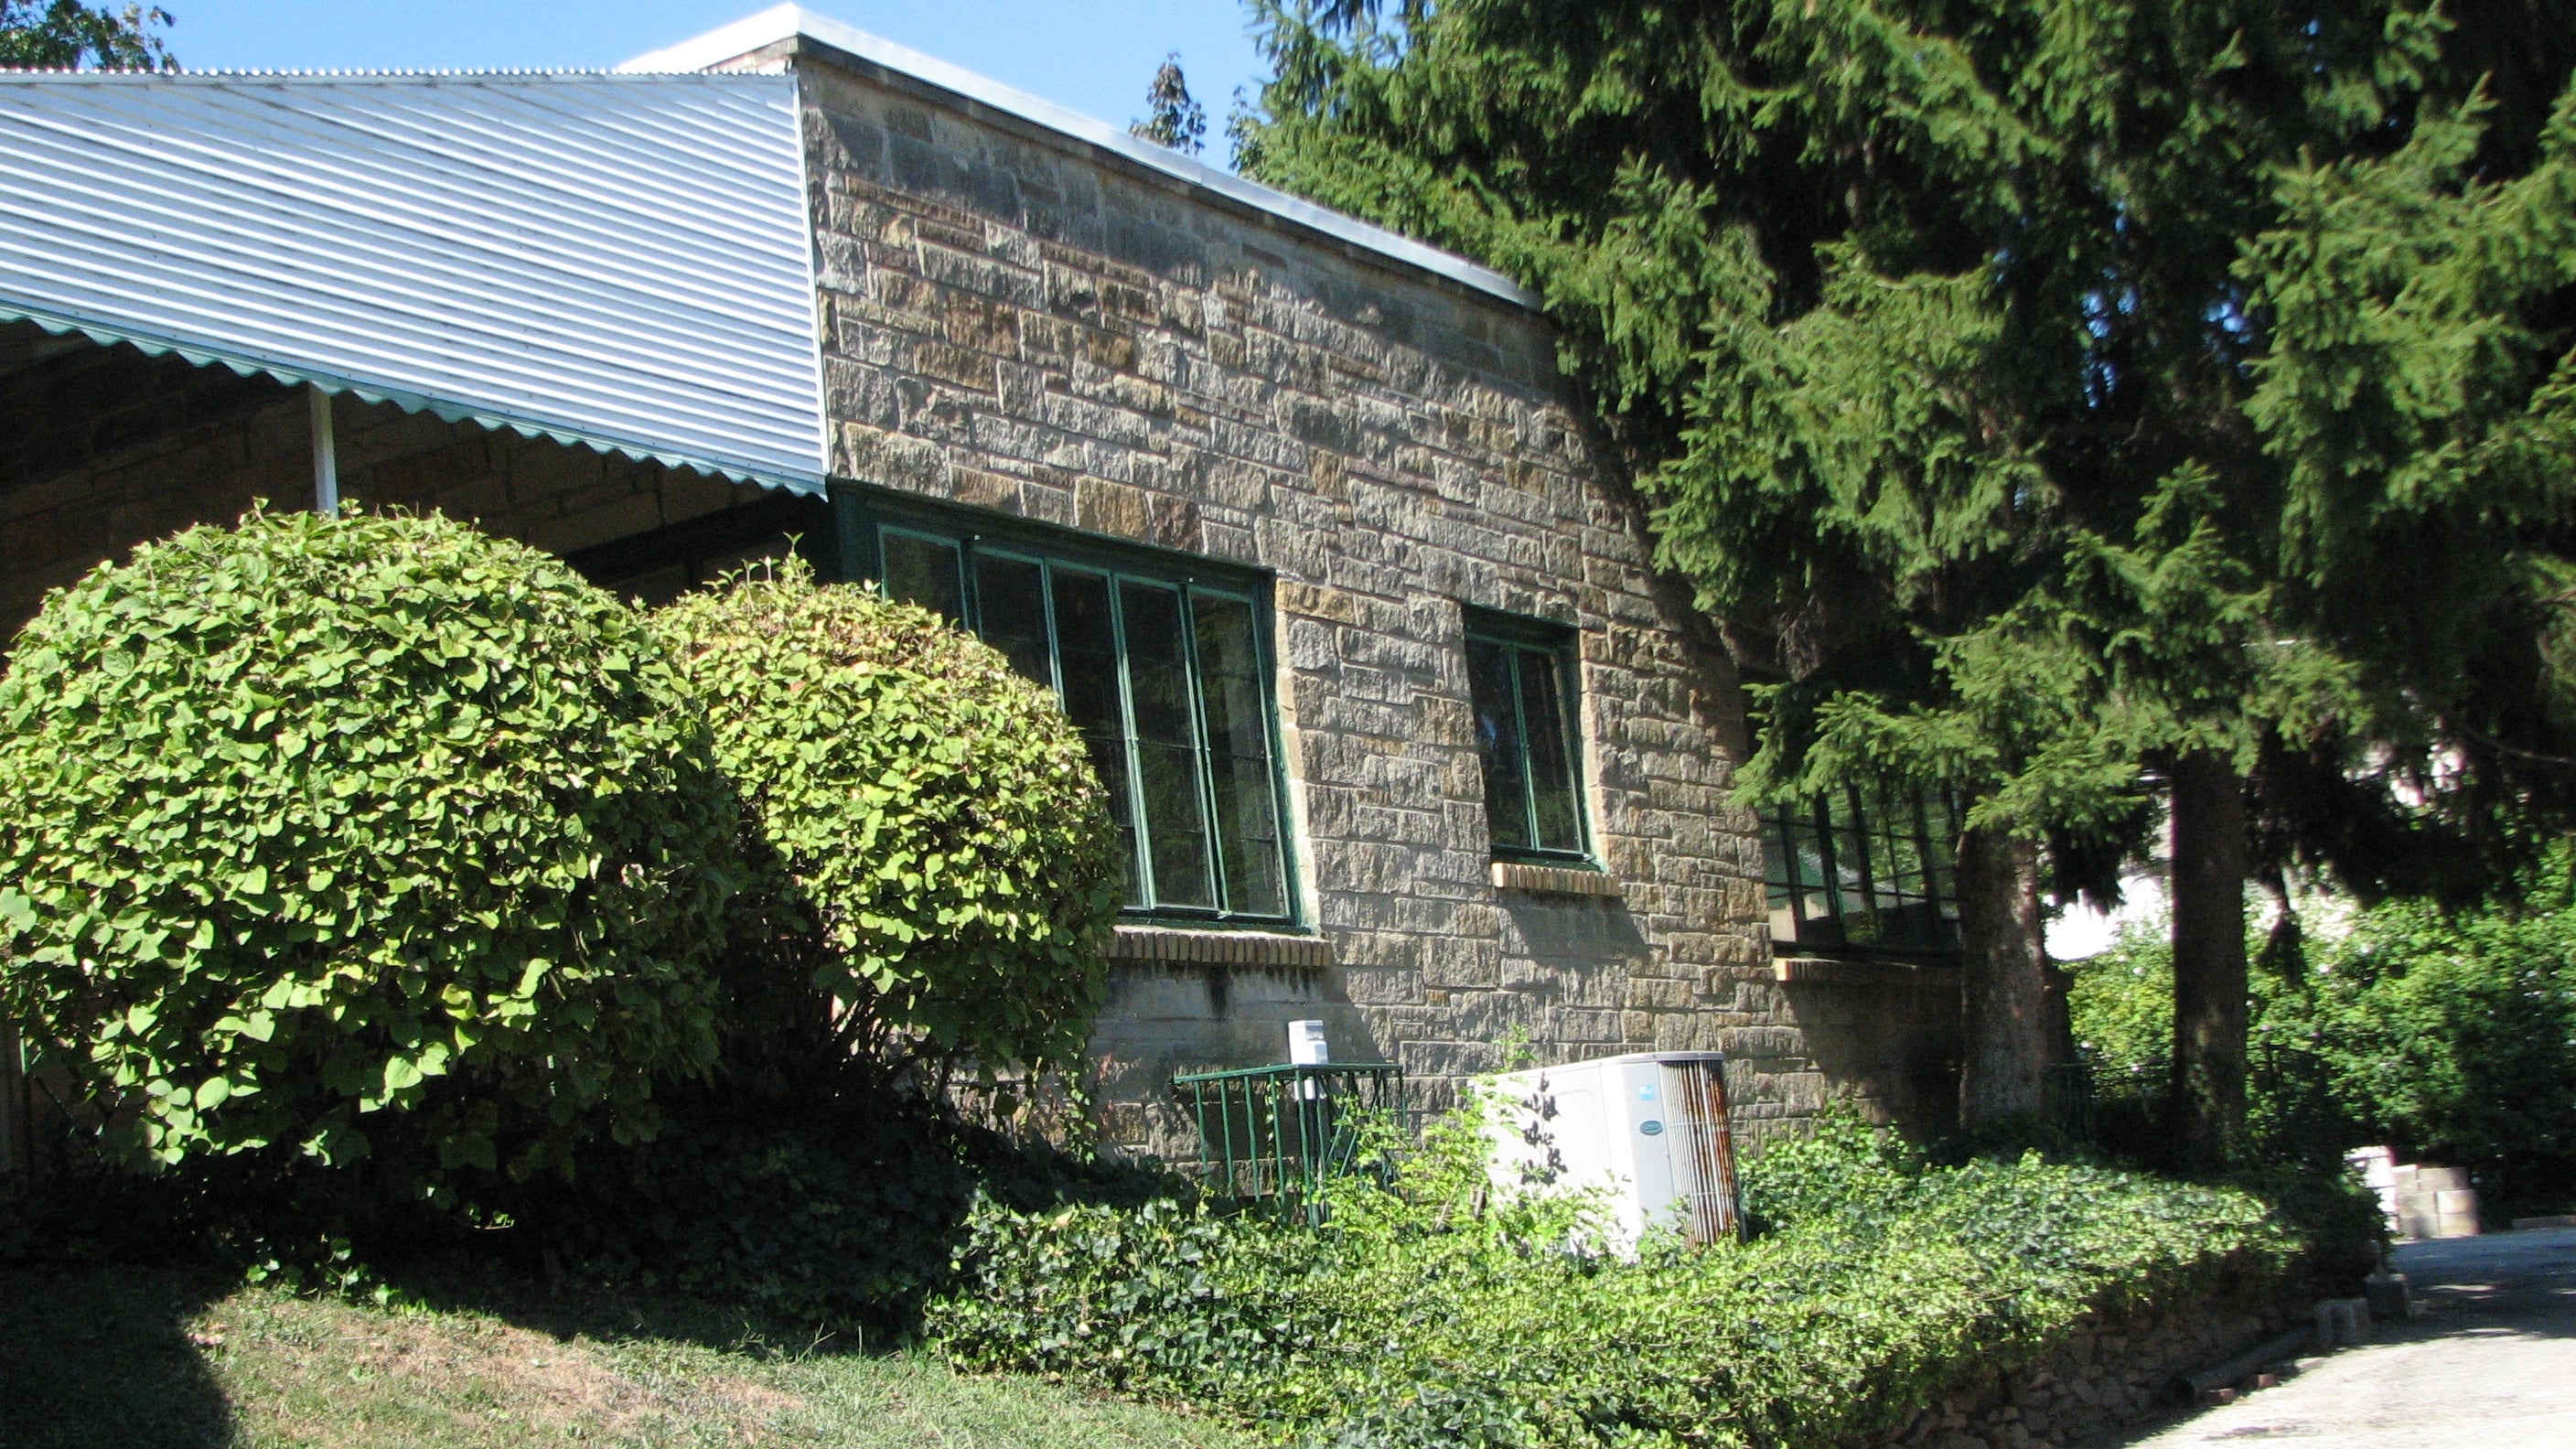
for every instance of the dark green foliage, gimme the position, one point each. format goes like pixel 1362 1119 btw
pixel 1164 1296
pixel 1438 1315
pixel 2450 1037
pixel 2419 398
pixel 65 33
pixel 1841 1168
pixel 1173 117
pixel 323 835
pixel 1928 412
pixel 836 1209
pixel 933 862
pixel 2039 391
pixel 839 1209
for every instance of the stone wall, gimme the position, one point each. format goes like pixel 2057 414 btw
pixel 2109 1374
pixel 1019 322
pixel 102 448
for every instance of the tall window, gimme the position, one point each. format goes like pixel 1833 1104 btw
pixel 1521 681
pixel 1163 671
pixel 1863 869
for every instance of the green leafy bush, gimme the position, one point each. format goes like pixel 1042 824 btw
pixel 931 850
pixel 340 834
pixel 2450 1036
pixel 1437 1314
pixel 2453 1038
pixel 1841 1168
pixel 839 1210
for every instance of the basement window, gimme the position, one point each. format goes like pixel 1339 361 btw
pixel 1522 684
pixel 1863 872
pixel 1164 666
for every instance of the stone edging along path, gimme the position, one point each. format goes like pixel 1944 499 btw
pixel 2109 1376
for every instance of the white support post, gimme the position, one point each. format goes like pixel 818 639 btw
pixel 326 456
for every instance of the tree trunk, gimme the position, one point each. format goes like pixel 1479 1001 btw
pixel 2208 957
pixel 17 1151
pixel 2006 1013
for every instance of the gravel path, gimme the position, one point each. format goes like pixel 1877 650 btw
pixel 2490 1365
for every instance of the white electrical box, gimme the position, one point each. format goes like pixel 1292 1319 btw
pixel 1648 1131
pixel 1307 1046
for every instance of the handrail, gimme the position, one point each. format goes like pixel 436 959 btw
pixel 1276 1134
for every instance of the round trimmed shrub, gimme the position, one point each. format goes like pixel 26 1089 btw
pixel 929 850
pixel 369 833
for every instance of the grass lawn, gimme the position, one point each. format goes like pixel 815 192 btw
pixel 141 1358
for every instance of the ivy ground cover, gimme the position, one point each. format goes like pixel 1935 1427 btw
pixel 1437 1314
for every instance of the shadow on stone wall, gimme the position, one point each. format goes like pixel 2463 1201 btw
pixel 1894 1048
pixel 1164 1018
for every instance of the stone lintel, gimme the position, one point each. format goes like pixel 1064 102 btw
pixel 1552 880
pixel 1822 971
pixel 1219 948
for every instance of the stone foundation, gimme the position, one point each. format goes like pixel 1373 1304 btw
pixel 2108 1376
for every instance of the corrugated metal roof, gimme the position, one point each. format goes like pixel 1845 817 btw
pixel 783 23
pixel 620 261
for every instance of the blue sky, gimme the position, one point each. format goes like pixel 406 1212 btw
pixel 1095 56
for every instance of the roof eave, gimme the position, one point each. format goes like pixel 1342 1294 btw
pixel 771 38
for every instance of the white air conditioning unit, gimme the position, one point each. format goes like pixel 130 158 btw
pixel 1647 1132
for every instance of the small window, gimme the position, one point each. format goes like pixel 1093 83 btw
pixel 1164 672
pixel 1863 871
pixel 1521 682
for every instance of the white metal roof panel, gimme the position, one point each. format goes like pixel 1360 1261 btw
pixel 789 22
pixel 620 261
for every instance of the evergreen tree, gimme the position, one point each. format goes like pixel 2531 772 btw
pixel 1173 117
pixel 1942 344
pixel 61 34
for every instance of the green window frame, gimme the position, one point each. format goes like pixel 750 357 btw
pixel 1163 660
pixel 1524 685
pixel 1863 871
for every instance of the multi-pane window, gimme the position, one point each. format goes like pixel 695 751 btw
pixel 1863 869
pixel 1165 674
pixel 1521 683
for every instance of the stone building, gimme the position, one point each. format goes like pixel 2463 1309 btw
pixel 1297 516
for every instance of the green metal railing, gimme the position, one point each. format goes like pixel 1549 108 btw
pixel 1277 1133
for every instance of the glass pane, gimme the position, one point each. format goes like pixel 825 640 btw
pixel 1498 739
pixel 1901 848
pixel 1090 644
pixel 1779 864
pixel 1851 870
pixel 1820 925
pixel 923 571
pixel 1896 849
pixel 1940 836
pixel 1551 754
pixel 1167 755
pixel 1010 594
pixel 1238 729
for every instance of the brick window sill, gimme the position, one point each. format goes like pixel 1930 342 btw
pixel 1823 971
pixel 1180 945
pixel 1553 880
